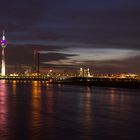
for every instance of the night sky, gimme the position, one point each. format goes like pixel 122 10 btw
pixel 103 35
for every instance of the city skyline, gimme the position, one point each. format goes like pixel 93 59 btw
pixel 101 35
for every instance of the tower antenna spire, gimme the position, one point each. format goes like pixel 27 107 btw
pixel 3 35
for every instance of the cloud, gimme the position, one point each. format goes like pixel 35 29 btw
pixel 45 21
pixel 18 15
pixel 98 54
pixel 21 10
pixel 64 58
pixel 55 57
pixel 23 54
pixel 99 60
pixel 84 32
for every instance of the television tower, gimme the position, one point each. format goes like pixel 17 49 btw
pixel 3 45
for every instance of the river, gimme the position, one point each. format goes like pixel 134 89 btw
pixel 35 110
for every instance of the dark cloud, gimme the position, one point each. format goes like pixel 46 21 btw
pixel 21 54
pixel 21 10
pixel 55 25
pixel 17 15
pixel 114 66
pixel 54 57
pixel 24 54
pixel 114 27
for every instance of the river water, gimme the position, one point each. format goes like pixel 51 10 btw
pixel 33 110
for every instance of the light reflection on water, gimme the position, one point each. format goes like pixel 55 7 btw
pixel 88 120
pixel 3 105
pixel 35 104
pixel 39 110
pixel 87 106
pixel 14 87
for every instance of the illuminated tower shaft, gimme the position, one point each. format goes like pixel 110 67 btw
pixel 3 62
pixel 3 45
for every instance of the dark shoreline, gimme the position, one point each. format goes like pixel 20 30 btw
pixel 134 85
pixel 121 83
pixel 97 82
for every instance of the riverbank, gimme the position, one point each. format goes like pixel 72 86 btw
pixel 105 82
pixel 90 81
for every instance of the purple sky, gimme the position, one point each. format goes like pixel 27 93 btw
pixel 103 35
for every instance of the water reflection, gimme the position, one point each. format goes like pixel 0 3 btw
pixel 59 89
pixel 36 89
pixel 87 105
pixel 50 100
pixel 35 103
pixel 112 96
pixel 39 110
pixel 88 109
pixel 42 109
pixel 118 99
pixel 3 108
pixel 14 86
